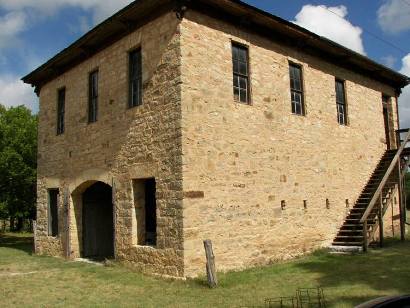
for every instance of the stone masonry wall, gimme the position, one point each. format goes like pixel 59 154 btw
pixel 124 144
pixel 240 161
pixel 221 168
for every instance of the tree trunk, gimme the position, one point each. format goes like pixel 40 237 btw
pixel 11 224
pixel 20 224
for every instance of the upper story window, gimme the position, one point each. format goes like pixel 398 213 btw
pixel 93 97
pixel 386 100
pixel 341 102
pixel 60 111
pixel 296 89
pixel 135 78
pixel 387 118
pixel 241 85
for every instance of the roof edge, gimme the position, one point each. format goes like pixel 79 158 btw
pixel 122 23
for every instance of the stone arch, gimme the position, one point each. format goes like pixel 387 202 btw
pixel 78 187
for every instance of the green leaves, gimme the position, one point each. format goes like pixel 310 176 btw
pixel 18 162
pixel 408 189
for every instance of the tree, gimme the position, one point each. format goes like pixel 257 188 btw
pixel 18 163
pixel 408 190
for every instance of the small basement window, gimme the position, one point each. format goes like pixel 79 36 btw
pixel 145 211
pixel 52 212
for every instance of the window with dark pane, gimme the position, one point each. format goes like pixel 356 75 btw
pixel 386 117
pixel 341 102
pixel 135 78
pixel 296 89
pixel 145 211
pixel 93 97
pixel 52 212
pixel 241 86
pixel 60 111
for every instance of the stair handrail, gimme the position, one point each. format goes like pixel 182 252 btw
pixel 384 180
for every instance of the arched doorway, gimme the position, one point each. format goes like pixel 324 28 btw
pixel 98 224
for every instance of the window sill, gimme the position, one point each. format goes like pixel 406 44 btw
pixel 242 103
pixel 147 247
pixel 299 115
pixel 50 237
pixel 133 107
pixel 344 125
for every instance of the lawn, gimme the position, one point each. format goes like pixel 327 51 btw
pixel 27 280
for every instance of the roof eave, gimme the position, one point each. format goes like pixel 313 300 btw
pixel 140 12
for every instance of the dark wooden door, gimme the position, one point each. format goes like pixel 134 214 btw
pixel 98 225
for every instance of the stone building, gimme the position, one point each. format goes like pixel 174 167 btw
pixel 173 122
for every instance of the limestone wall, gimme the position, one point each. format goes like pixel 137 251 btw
pixel 221 168
pixel 240 161
pixel 124 144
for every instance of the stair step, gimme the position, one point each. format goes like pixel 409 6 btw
pixel 362 210
pixel 347 243
pixel 349 233
pixel 345 249
pixel 354 228
pixel 363 199
pixel 369 221
pixel 354 215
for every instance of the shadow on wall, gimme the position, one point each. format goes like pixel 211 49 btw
pixel 19 242
pixel 380 271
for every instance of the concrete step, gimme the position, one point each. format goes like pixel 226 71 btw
pixel 338 249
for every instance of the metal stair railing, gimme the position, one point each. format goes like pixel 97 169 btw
pixel 378 195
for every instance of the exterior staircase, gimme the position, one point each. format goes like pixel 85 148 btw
pixel 365 218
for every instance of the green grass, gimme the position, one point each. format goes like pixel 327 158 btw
pixel 347 280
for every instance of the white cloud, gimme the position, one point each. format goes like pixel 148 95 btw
pixel 394 16
pixel 100 9
pixel 389 61
pixel 11 25
pixel 405 96
pixel 80 26
pixel 18 16
pixel 331 23
pixel 13 92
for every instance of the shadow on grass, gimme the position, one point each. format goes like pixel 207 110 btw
pixel 384 270
pixel 23 242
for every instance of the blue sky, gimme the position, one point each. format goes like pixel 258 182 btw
pixel 32 31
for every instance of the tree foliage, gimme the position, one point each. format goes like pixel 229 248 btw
pixel 18 162
pixel 408 189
